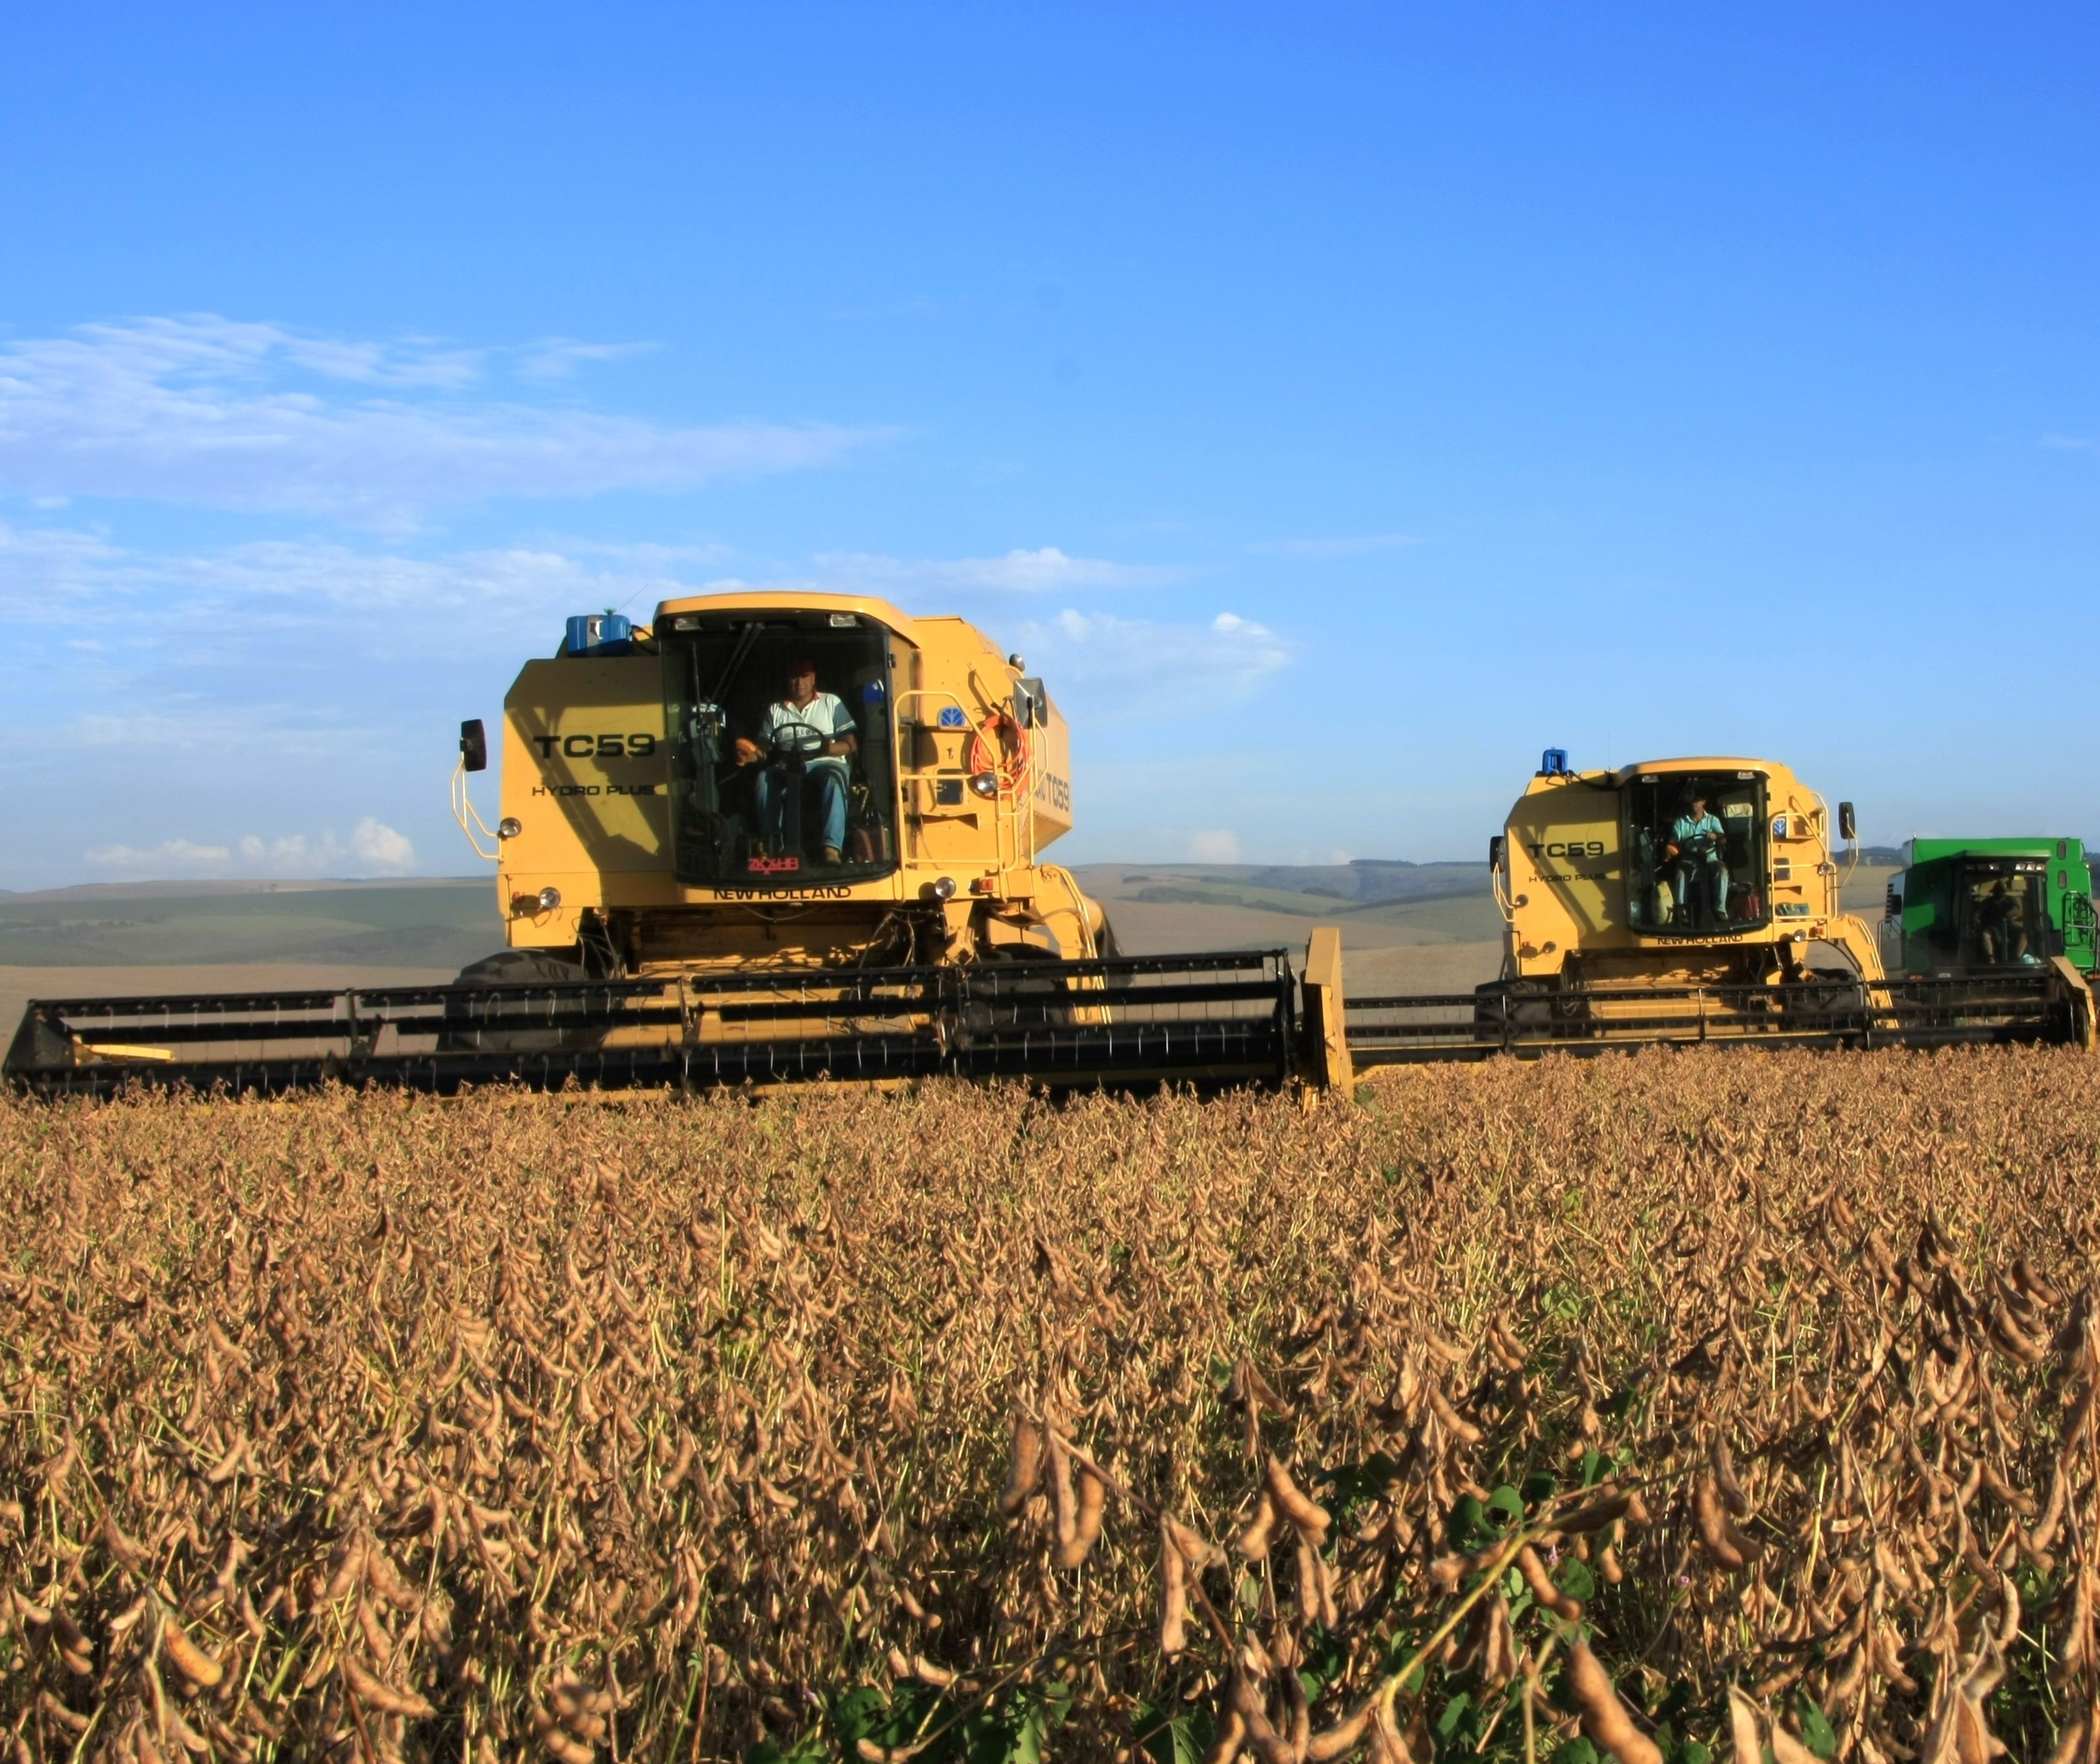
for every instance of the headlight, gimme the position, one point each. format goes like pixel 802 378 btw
pixel 944 888
pixel 509 827
pixel 986 783
pixel 550 899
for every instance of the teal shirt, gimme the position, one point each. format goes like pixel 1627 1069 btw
pixel 1697 834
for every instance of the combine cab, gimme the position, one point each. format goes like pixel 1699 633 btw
pixel 668 807
pixel 1696 900
pixel 1971 907
pixel 770 836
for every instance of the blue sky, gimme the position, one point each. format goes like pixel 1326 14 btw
pixel 1338 404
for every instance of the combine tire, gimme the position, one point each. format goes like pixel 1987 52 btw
pixel 520 968
pixel 1831 998
pixel 509 969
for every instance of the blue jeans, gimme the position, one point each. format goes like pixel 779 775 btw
pixel 785 804
pixel 1692 876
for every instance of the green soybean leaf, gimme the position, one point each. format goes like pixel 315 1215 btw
pixel 1816 1732
pixel 1468 1522
pixel 1453 1713
pixel 855 1715
pixel 1181 1739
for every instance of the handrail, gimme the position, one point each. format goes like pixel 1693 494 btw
pixel 463 808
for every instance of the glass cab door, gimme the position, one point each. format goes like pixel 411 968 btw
pixel 2000 912
pixel 782 748
pixel 1696 854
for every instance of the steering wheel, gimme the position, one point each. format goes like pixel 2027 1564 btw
pixel 796 743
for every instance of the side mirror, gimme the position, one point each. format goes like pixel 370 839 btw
pixel 1848 829
pixel 1497 851
pixel 473 745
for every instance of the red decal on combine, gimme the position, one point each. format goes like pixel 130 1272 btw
pixel 772 866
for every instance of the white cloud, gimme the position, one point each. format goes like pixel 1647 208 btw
pixel 1214 845
pixel 1338 548
pixel 184 725
pixel 170 857
pixel 379 845
pixel 209 411
pixel 42 567
pixel 642 553
pixel 325 581
pixel 556 357
pixel 1153 668
pixel 319 582
pixel 1019 571
pixel 218 655
pixel 310 571
pixel 372 848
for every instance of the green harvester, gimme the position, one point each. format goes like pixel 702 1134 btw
pixel 1971 905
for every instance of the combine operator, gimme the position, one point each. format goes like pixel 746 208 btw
pixel 1698 847
pixel 2001 926
pixel 802 748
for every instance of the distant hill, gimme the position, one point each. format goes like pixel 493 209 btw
pixel 223 886
pixel 1426 903
pixel 1373 882
pixel 1311 887
pixel 433 924
pixel 422 924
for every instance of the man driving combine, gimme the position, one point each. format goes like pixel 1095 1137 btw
pixel 1698 846
pixel 802 745
pixel 2002 925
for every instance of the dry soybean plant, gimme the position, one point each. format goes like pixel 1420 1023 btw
pixel 1647 1408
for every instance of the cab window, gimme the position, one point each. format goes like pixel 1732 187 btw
pixel 783 774
pixel 1695 859
pixel 2000 917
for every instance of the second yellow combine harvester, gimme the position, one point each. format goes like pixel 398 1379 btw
pixel 1696 900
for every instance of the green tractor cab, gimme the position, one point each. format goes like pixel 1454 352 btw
pixel 1970 906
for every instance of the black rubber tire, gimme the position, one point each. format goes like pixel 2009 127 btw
pixel 516 967
pixel 520 968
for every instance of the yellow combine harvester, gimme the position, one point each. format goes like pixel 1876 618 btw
pixel 769 835
pixel 1695 900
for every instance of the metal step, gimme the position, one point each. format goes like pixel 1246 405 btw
pixel 1205 1018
